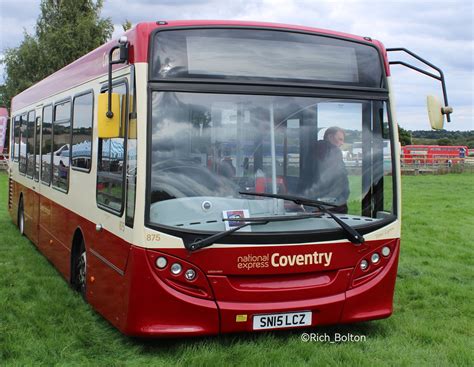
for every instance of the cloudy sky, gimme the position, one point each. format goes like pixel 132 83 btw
pixel 441 31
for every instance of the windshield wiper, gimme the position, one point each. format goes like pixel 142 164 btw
pixel 351 234
pixel 255 221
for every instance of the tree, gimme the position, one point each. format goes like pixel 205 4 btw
pixel 65 30
pixel 444 141
pixel 126 25
pixel 404 136
pixel 22 67
pixel 3 93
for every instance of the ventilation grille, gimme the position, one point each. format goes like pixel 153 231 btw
pixel 195 223
pixel 10 193
pixel 326 216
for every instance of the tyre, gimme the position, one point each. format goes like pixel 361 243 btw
pixel 80 270
pixel 21 218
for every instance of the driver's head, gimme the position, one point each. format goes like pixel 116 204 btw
pixel 335 135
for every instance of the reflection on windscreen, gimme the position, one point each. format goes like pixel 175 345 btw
pixel 267 58
pixel 206 148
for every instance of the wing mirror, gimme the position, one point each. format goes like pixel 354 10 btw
pixel 436 112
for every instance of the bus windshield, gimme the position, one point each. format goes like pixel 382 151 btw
pixel 206 148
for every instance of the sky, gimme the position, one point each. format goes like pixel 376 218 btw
pixel 440 31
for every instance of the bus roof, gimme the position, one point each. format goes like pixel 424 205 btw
pixel 94 64
pixel 431 146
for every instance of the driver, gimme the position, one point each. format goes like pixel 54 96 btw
pixel 226 167
pixel 330 181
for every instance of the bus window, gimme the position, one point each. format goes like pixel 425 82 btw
pixel 388 174
pixel 131 173
pixel 110 163
pixel 16 137
pixel 46 144
pixel 37 148
pixel 30 145
pixel 22 145
pixel 61 141
pixel 82 132
pixel 275 55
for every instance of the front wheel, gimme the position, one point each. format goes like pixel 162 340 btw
pixel 81 271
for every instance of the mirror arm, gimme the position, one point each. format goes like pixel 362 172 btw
pixel 109 113
pixel 445 110
pixel 123 58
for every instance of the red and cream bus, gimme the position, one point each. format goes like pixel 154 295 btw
pixel 433 154
pixel 171 178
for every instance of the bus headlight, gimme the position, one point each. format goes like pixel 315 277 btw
pixel 386 251
pixel 364 264
pixel 161 262
pixel 176 268
pixel 183 276
pixel 375 258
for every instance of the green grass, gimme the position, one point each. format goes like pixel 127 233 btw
pixel 43 322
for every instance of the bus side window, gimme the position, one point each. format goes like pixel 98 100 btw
pixel 388 174
pixel 110 162
pixel 131 173
pixel 61 143
pixel 30 145
pixel 37 148
pixel 46 144
pixel 82 132
pixel 22 145
pixel 16 138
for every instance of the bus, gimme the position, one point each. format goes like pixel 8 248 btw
pixel 434 154
pixel 171 179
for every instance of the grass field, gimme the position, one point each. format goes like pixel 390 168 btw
pixel 43 322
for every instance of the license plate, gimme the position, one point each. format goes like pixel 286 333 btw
pixel 282 320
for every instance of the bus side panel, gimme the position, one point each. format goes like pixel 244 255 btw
pixel 30 203
pixel 107 257
pixel 105 290
pixel 27 211
pixel 55 235
pixel 15 198
pixel 52 227
pixel 63 224
pixel 44 225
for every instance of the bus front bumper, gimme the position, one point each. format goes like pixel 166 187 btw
pixel 156 310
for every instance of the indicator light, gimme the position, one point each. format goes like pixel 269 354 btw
pixel 190 274
pixel 386 251
pixel 161 262
pixel 375 258
pixel 176 268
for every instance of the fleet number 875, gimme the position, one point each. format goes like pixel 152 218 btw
pixel 152 237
